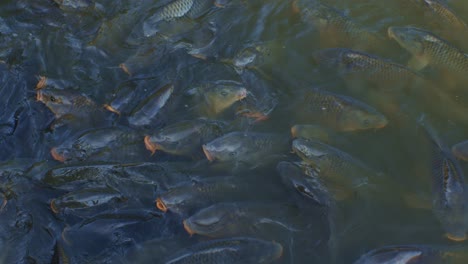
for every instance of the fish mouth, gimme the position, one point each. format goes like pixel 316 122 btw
pixel 41 83
pixel 125 69
pixel 57 156
pixel 242 94
pixel 456 238
pixel 160 205
pixel 187 228
pixel 279 251
pixel 53 207
pixel 294 131
pixel 111 109
pixel 39 96
pixel 152 147
pixel 207 154
pixel 391 33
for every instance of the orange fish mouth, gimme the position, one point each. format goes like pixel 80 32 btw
pixel 39 96
pixel 188 229
pixel 294 132
pixel 57 156
pixel 152 147
pixel 111 109
pixel 160 205
pixel 207 154
pixel 125 69
pixel 53 207
pixel 41 83
pixel 456 238
pixel 242 94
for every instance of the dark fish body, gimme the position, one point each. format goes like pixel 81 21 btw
pixel 246 147
pixel 442 14
pixel 411 254
pixel 340 112
pixel 192 196
pixel 85 198
pixel 228 219
pixel 237 250
pixel 429 49
pixel 148 110
pixel 338 29
pixel 185 137
pixel 310 132
pixel 449 202
pixel 65 102
pixel 92 142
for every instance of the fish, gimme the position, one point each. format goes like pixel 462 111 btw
pixel 174 10
pixel 230 219
pixel 358 65
pixel 449 193
pixel 460 150
pixel 147 111
pixel 66 102
pixel 309 189
pixel 340 112
pixel 92 143
pixel 429 49
pixel 333 164
pixel 406 254
pixel 214 98
pixel 335 28
pixel 184 137
pixel 244 147
pixel 191 196
pixel 85 198
pixel 441 13
pixel 232 250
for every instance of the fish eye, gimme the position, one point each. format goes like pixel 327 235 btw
pixel 224 93
pixel 52 98
pixel 232 153
pixel 366 122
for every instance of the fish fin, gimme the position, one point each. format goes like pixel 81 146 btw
pixel 418 63
pixel 416 201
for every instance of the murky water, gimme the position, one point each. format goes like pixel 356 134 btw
pixel 78 182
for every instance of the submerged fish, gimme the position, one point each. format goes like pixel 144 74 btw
pixel 185 137
pixel 245 147
pixel 86 198
pixel 460 150
pixel 229 219
pixel 429 49
pixel 196 195
pixel 310 132
pixel 360 65
pixel 214 98
pixel 229 251
pixel 332 163
pixel 335 28
pixel 148 110
pixel 340 112
pixel 414 254
pixel 441 13
pixel 93 142
pixel 449 202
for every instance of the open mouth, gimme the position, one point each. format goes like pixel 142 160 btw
pixel 456 238
pixel 152 147
pixel 188 229
pixel 207 153
pixel 57 156
pixel 160 205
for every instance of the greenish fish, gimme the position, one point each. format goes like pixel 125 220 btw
pixel 340 112
pixel 335 28
pixel 148 110
pixel 442 13
pixel 429 49
pixel 66 102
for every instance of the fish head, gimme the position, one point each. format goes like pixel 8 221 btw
pixel 246 57
pixel 410 38
pixel 223 96
pixel 67 154
pixel 210 221
pixel 173 200
pixel 361 119
pixel 453 218
pixel 312 152
pixel 229 147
